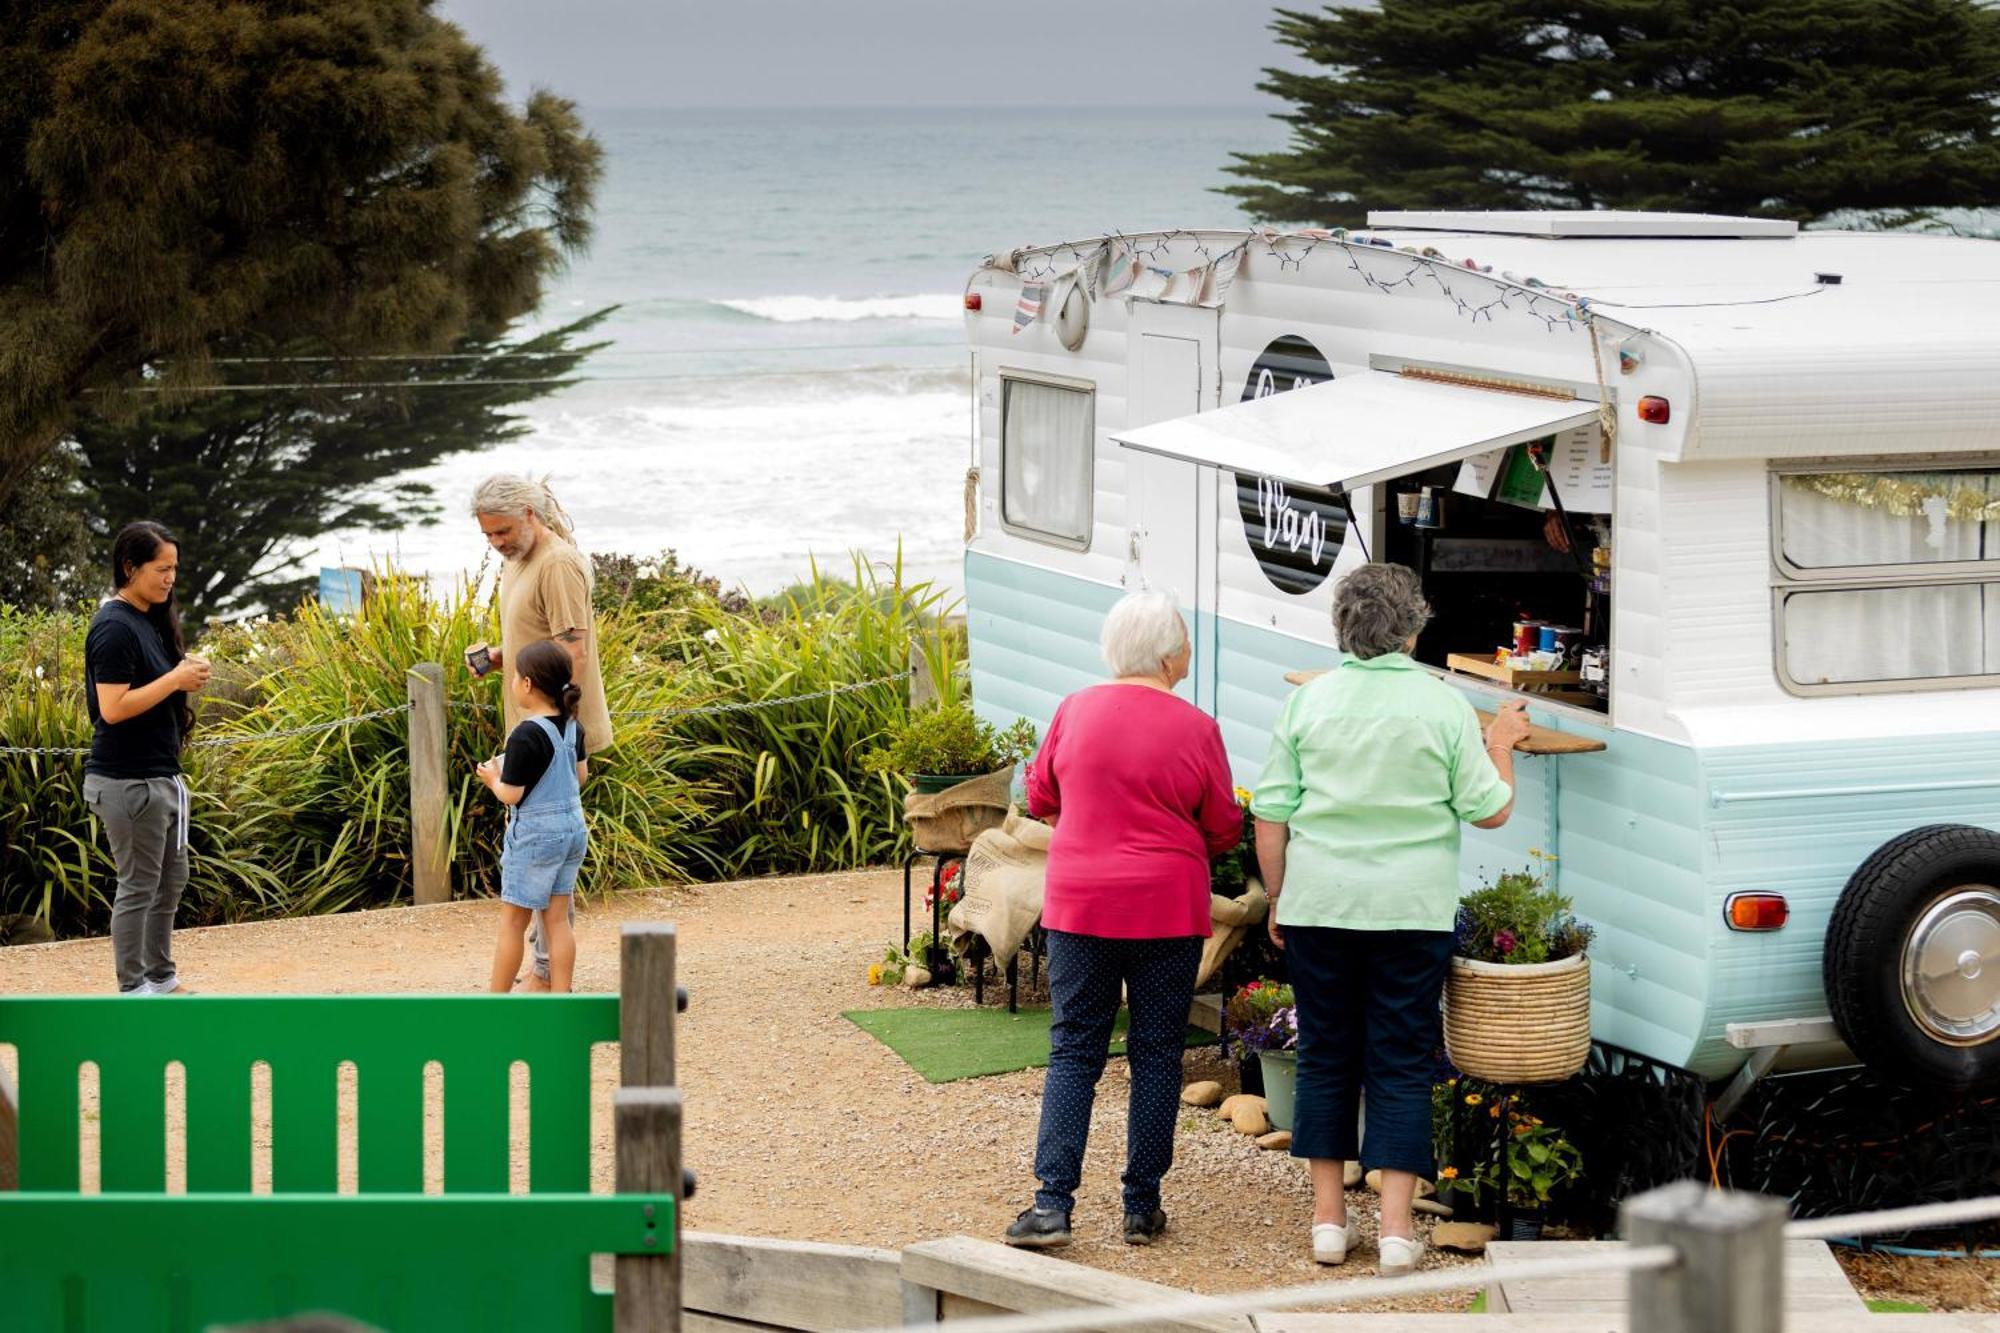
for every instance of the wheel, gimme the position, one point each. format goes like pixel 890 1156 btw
pixel 1912 960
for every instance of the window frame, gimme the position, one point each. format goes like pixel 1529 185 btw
pixel 1789 580
pixel 1008 377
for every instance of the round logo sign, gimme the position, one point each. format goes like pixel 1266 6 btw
pixel 1295 531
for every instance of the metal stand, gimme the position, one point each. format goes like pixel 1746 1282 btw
pixel 939 862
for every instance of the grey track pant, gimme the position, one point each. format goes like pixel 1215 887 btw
pixel 539 946
pixel 145 821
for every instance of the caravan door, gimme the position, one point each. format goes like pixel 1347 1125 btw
pixel 1171 371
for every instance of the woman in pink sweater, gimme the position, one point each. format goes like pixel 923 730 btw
pixel 1136 783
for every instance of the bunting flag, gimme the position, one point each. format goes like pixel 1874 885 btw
pixel 1029 308
pixel 1221 276
pixel 1120 271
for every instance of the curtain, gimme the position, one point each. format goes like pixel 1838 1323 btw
pixel 1848 636
pixel 1045 450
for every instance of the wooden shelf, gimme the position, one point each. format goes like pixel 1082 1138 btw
pixel 1487 669
pixel 1540 740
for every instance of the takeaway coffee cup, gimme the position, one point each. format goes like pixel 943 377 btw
pixel 479 659
pixel 1406 507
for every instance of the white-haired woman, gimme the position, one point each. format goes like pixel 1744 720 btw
pixel 1136 781
pixel 1373 766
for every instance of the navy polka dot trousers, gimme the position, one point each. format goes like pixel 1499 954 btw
pixel 1086 973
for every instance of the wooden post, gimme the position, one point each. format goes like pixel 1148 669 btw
pixel 10 1135
pixel 646 1287
pixel 1731 1277
pixel 646 1005
pixel 923 690
pixel 429 868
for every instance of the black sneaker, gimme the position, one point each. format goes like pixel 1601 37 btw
pixel 1039 1229
pixel 1141 1228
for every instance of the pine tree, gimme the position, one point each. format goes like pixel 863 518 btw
pixel 180 175
pixel 1781 108
pixel 247 477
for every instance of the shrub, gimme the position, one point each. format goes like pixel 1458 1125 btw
pixel 1520 918
pixel 949 739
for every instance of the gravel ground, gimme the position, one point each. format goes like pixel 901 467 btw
pixel 800 1125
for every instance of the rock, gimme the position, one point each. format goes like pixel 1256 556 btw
pixel 1250 1118
pixel 1229 1104
pixel 1465 1237
pixel 1275 1140
pixel 1352 1175
pixel 916 977
pixel 1374 1179
pixel 1431 1206
pixel 1201 1094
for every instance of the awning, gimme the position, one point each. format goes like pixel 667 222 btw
pixel 1361 428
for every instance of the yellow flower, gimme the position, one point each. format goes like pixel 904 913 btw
pixel 874 974
pixel 1493 1111
pixel 1242 796
pixel 1473 1099
pixel 1449 1173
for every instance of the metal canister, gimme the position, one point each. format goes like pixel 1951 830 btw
pixel 1545 640
pixel 1527 636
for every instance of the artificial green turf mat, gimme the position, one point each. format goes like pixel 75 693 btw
pixel 1886 1306
pixel 945 1045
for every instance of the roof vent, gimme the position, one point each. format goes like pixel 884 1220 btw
pixel 1587 223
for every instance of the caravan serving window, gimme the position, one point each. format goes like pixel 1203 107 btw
pixel 1886 578
pixel 1047 436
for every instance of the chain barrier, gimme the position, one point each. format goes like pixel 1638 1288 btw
pixel 692 710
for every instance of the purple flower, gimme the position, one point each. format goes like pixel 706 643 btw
pixel 1504 941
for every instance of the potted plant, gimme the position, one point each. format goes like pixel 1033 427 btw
pixel 1517 998
pixel 1536 1160
pixel 959 769
pixel 941 746
pixel 1264 1018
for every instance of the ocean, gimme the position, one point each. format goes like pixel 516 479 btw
pixel 787 379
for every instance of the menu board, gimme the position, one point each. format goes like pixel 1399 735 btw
pixel 1576 466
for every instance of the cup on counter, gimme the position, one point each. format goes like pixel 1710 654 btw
pixel 1406 507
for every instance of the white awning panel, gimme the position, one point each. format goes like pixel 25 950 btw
pixel 1358 429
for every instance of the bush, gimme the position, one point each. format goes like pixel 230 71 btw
pixel 295 824
pixel 1519 918
pixel 949 739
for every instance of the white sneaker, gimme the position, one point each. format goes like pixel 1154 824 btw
pixel 1400 1256
pixel 1329 1243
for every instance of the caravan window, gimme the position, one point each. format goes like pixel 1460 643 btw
pixel 1047 432
pixel 1886 578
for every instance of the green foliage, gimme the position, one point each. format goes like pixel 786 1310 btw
pixel 1537 1159
pixel 345 175
pixel 53 560
pixel 949 739
pixel 1785 108
pixel 320 822
pixel 246 479
pixel 1520 918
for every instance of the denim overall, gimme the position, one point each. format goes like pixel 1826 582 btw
pixel 546 836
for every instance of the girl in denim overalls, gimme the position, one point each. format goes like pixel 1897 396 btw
pixel 540 776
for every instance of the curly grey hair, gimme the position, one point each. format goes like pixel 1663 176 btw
pixel 1377 609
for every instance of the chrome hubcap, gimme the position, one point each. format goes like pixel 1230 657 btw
pixel 1951 967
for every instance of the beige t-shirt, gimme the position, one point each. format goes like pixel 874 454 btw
pixel 540 597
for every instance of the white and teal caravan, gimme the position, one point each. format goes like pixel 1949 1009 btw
pixel 1788 442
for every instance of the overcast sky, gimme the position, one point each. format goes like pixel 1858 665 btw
pixel 678 53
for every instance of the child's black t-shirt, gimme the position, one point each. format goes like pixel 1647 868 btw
pixel 529 753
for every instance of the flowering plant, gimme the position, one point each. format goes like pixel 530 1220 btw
pixel 897 962
pixel 1537 1159
pixel 1263 1016
pixel 1229 872
pixel 1520 918
pixel 951 887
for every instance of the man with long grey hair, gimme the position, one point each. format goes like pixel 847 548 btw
pixel 544 594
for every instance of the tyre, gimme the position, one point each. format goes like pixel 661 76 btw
pixel 1912 959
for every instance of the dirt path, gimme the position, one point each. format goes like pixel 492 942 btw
pixel 798 1124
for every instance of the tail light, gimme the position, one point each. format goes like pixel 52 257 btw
pixel 972 301
pixel 1756 911
pixel 1655 409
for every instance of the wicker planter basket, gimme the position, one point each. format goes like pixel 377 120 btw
pixel 1518 1024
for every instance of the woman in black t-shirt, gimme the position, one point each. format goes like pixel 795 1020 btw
pixel 137 677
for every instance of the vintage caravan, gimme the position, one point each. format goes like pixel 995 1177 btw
pixel 1748 476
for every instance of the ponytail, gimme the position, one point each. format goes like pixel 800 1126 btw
pixel 548 668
